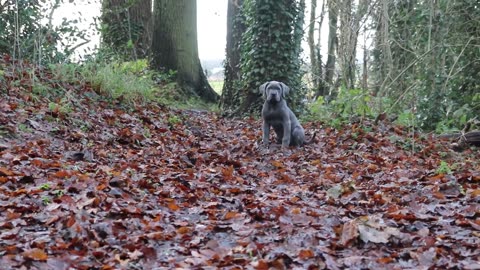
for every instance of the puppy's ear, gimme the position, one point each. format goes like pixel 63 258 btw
pixel 263 89
pixel 285 89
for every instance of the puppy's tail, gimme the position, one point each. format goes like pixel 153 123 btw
pixel 312 139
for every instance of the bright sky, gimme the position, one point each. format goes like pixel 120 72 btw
pixel 211 23
pixel 212 28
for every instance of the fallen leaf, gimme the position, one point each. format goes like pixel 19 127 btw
pixel 376 234
pixel 349 232
pixel 183 230
pixel 335 192
pixel 230 215
pixel 305 254
pixel 173 207
pixel 277 164
pixel 35 254
pixel 135 255
pixel 5 172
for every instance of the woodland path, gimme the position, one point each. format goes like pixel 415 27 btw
pixel 95 186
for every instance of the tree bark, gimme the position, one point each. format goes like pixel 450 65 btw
pixel 332 44
pixel 345 44
pixel 235 28
pixel 350 29
pixel 175 47
pixel 315 55
pixel 383 55
pixel 311 45
pixel 141 15
pixel 128 27
pixel 365 63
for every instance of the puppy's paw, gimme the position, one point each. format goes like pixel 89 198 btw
pixel 285 151
pixel 265 150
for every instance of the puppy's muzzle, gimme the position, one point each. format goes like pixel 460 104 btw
pixel 273 96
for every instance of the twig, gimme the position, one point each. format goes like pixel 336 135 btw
pixel 406 68
pixel 455 63
pixel 71 50
pixel 401 96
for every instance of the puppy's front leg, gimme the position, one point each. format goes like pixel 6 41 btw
pixel 266 133
pixel 287 132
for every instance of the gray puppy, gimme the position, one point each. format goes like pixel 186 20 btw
pixel 276 114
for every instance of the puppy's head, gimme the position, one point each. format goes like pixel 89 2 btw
pixel 274 91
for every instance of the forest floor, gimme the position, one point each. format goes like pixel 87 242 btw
pixel 95 185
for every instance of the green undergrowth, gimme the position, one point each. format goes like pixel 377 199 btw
pixel 125 84
pixel 217 86
pixel 348 105
pixel 131 83
pixel 356 104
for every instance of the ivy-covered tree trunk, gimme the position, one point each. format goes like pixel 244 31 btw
pixel 269 51
pixel 175 46
pixel 127 27
pixel 235 28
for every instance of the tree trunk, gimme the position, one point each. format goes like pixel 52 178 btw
pixel 332 44
pixel 315 54
pixel 298 25
pixel 175 47
pixel 128 27
pixel 350 29
pixel 383 55
pixel 235 28
pixel 141 16
pixel 269 50
pixel 365 63
pixel 346 47
pixel 311 45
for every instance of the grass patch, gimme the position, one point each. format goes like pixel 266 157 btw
pixel 116 81
pixel 128 83
pixel 217 86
